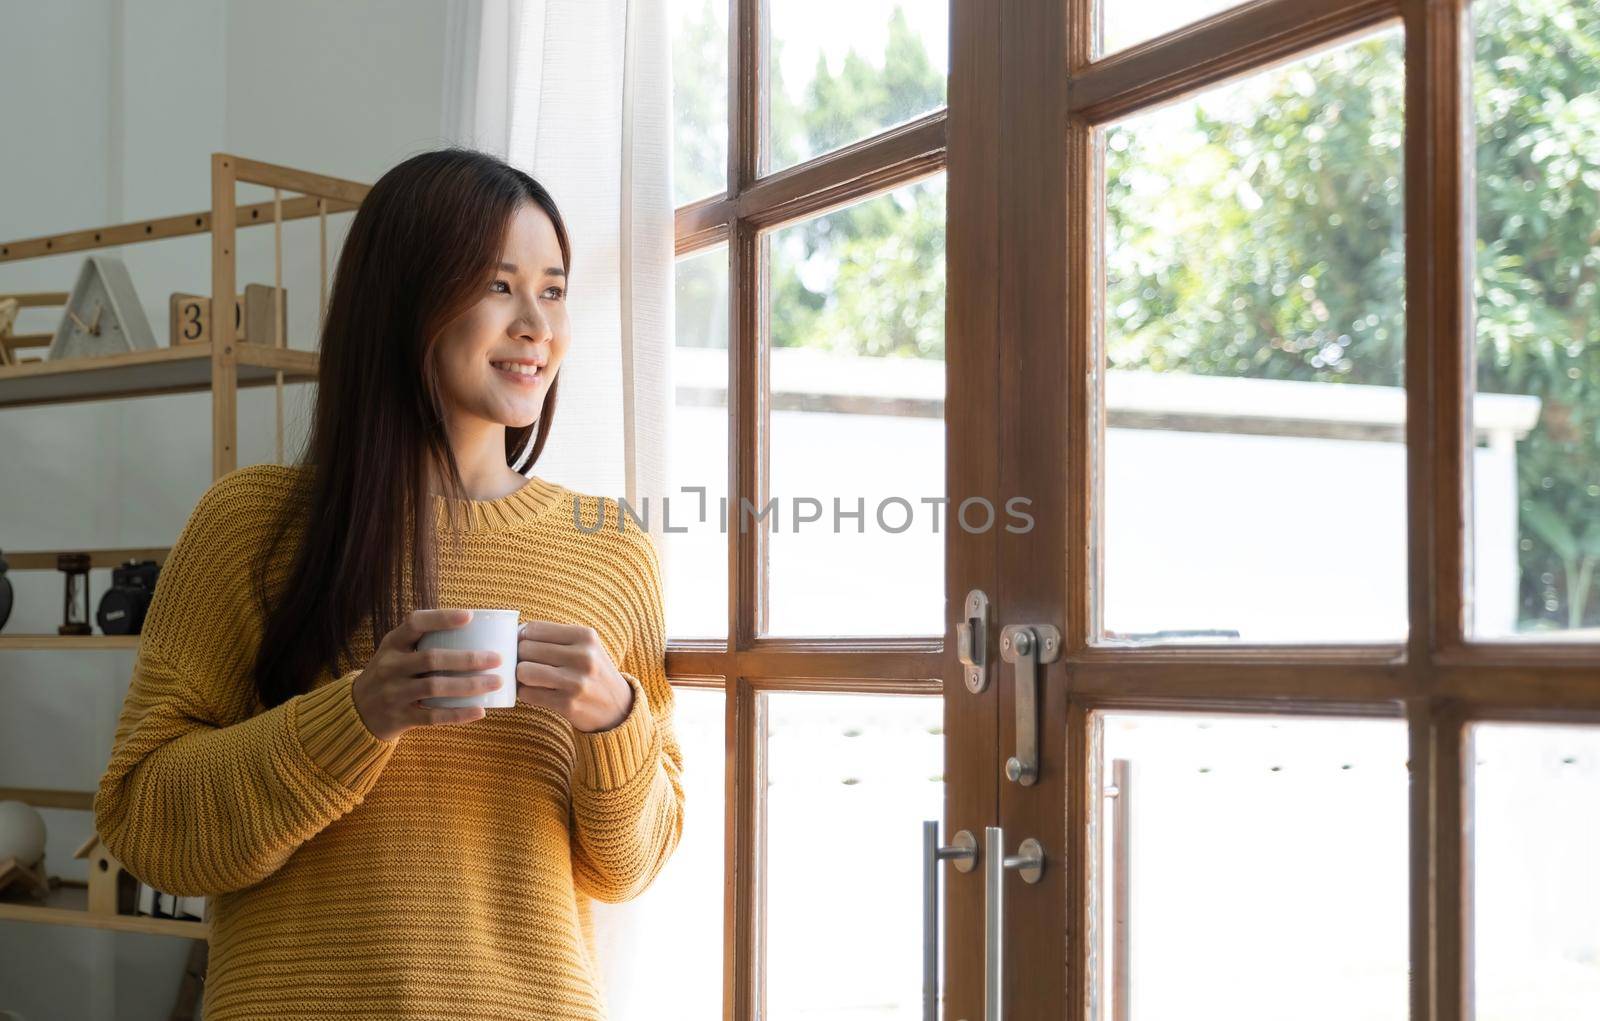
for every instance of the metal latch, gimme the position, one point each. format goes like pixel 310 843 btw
pixel 1027 645
pixel 972 641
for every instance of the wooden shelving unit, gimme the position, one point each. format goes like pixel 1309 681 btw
pixel 50 642
pixel 69 905
pixel 45 560
pixel 166 370
pixel 222 366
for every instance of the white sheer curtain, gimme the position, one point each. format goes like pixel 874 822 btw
pixel 578 94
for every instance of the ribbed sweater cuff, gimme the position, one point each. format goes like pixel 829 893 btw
pixel 608 759
pixel 334 737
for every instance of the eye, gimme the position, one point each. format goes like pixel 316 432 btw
pixel 560 293
pixel 500 283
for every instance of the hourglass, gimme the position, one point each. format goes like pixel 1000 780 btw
pixel 75 611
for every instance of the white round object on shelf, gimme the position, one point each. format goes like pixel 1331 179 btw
pixel 21 833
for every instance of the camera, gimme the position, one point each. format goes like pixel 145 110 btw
pixel 123 607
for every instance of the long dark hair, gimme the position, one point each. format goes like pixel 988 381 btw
pixel 422 248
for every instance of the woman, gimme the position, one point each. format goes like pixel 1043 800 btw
pixel 366 855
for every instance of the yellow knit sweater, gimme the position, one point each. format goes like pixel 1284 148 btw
pixel 445 874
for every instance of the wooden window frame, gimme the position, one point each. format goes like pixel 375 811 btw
pixel 1439 680
pixel 744 666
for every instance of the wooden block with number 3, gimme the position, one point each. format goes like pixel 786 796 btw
pixel 191 318
pixel 252 316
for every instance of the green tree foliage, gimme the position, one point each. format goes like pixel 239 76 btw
pixel 1536 85
pixel 700 159
pixel 1272 248
pixel 1257 231
pixel 700 101
pixel 867 279
pixel 1261 235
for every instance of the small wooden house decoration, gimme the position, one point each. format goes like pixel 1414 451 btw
pixel 112 889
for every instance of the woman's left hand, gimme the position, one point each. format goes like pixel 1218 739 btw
pixel 564 668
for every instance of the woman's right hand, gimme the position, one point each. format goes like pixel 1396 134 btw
pixel 387 692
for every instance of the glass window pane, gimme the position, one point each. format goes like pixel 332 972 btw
pixel 843 932
pixel 663 958
pixel 1254 457
pixel 843 70
pixel 1262 868
pixel 856 528
pixel 694 560
pixel 1126 23
pixel 699 99
pixel 1536 455
pixel 1535 894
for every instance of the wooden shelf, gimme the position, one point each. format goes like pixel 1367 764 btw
pixel 45 560
pixel 68 905
pixel 163 370
pixel 50 797
pixel 52 642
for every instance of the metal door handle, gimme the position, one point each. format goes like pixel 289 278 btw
pixel 1028 645
pixel 964 853
pixel 1029 863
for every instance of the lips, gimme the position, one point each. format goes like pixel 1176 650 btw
pixel 515 376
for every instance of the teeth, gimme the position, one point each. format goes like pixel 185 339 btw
pixel 526 370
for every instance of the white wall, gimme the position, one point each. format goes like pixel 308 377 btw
pixel 111 110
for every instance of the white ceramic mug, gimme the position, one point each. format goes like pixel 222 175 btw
pixel 489 630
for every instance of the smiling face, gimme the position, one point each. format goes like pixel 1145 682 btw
pixel 521 317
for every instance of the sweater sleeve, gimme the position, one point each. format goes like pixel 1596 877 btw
pixel 193 801
pixel 627 789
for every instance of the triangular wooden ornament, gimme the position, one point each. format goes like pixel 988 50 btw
pixel 103 315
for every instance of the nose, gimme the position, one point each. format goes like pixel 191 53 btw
pixel 532 325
